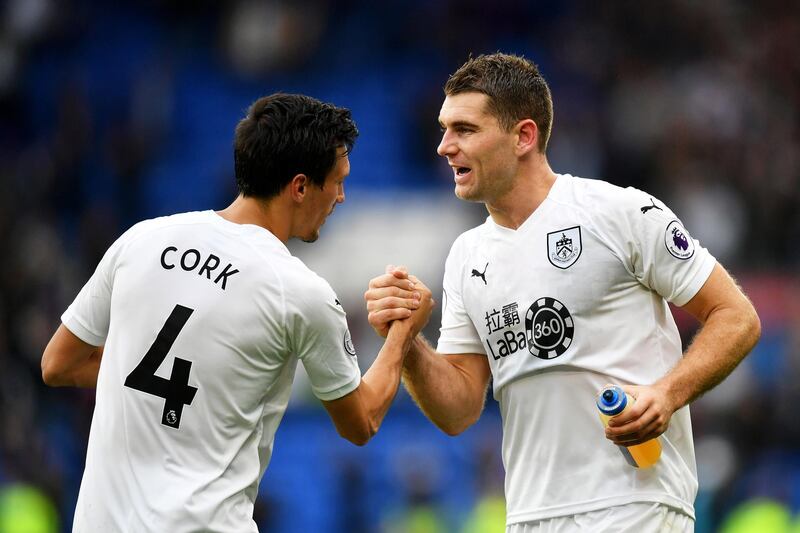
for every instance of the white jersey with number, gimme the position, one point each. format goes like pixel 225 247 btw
pixel 573 299
pixel 203 322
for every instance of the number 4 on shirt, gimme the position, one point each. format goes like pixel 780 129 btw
pixel 176 390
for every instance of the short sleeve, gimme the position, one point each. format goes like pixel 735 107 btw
pixel 663 255
pixel 89 314
pixel 457 334
pixel 321 340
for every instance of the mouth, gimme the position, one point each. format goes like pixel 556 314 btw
pixel 461 174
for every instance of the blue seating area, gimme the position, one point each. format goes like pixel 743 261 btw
pixel 316 479
pixel 112 113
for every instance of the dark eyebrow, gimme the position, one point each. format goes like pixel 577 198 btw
pixel 460 124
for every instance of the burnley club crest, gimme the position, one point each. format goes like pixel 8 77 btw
pixel 564 246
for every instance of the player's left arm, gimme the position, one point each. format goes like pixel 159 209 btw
pixel 70 362
pixel 729 329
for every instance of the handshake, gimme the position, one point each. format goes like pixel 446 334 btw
pixel 398 299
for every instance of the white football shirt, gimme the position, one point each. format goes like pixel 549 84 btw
pixel 203 322
pixel 573 299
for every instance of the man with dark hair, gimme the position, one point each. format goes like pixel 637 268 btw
pixel 200 319
pixel 562 290
pixel 302 130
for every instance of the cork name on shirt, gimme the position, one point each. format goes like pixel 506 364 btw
pixel 190 260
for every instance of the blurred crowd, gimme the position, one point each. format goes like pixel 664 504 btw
pixel 115 112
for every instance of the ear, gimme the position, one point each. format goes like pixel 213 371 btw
pixel 298 187
pixel 527 136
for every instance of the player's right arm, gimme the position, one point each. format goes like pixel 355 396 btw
pixel 450 389
pixel 358 415
pixel 73 355
pixel 70 362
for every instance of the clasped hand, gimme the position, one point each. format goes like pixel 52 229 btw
pixel 398 295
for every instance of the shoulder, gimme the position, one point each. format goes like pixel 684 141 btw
pixel 470 238
pixel 300 276
pixel 598 195
pixel 151 225
pixel 304 287
pixel 603 204
pixel 310 303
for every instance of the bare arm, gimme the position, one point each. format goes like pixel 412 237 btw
pixel 730 328
pixel 449 389
pixel 69 362
pixel 358 415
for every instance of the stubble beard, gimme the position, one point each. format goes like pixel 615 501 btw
pixel 312 238
pixel 492 191
pixel 469 194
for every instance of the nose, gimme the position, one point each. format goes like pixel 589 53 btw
pixel 446 145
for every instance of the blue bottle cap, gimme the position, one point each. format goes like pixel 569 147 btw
pixel 612 400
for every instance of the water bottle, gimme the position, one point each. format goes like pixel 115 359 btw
pixel 613 401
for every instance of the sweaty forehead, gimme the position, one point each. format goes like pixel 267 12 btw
pixel 464 107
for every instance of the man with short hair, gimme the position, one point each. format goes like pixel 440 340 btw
pixel 200 318
pixel 562 290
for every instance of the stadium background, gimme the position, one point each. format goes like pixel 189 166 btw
pixel 115 113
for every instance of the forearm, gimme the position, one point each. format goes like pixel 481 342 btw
pixel 381 381
pixel 449 396
pixel 723 341
pixel 730 329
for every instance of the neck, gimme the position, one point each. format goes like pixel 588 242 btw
pixel 269 214
pixel 531 187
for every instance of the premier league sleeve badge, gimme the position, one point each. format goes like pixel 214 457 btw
pixel 678 241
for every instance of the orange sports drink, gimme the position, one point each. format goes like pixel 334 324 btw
pixel 613 401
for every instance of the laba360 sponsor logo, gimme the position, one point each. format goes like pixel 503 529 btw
pixel 549 328
pixel 549 331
